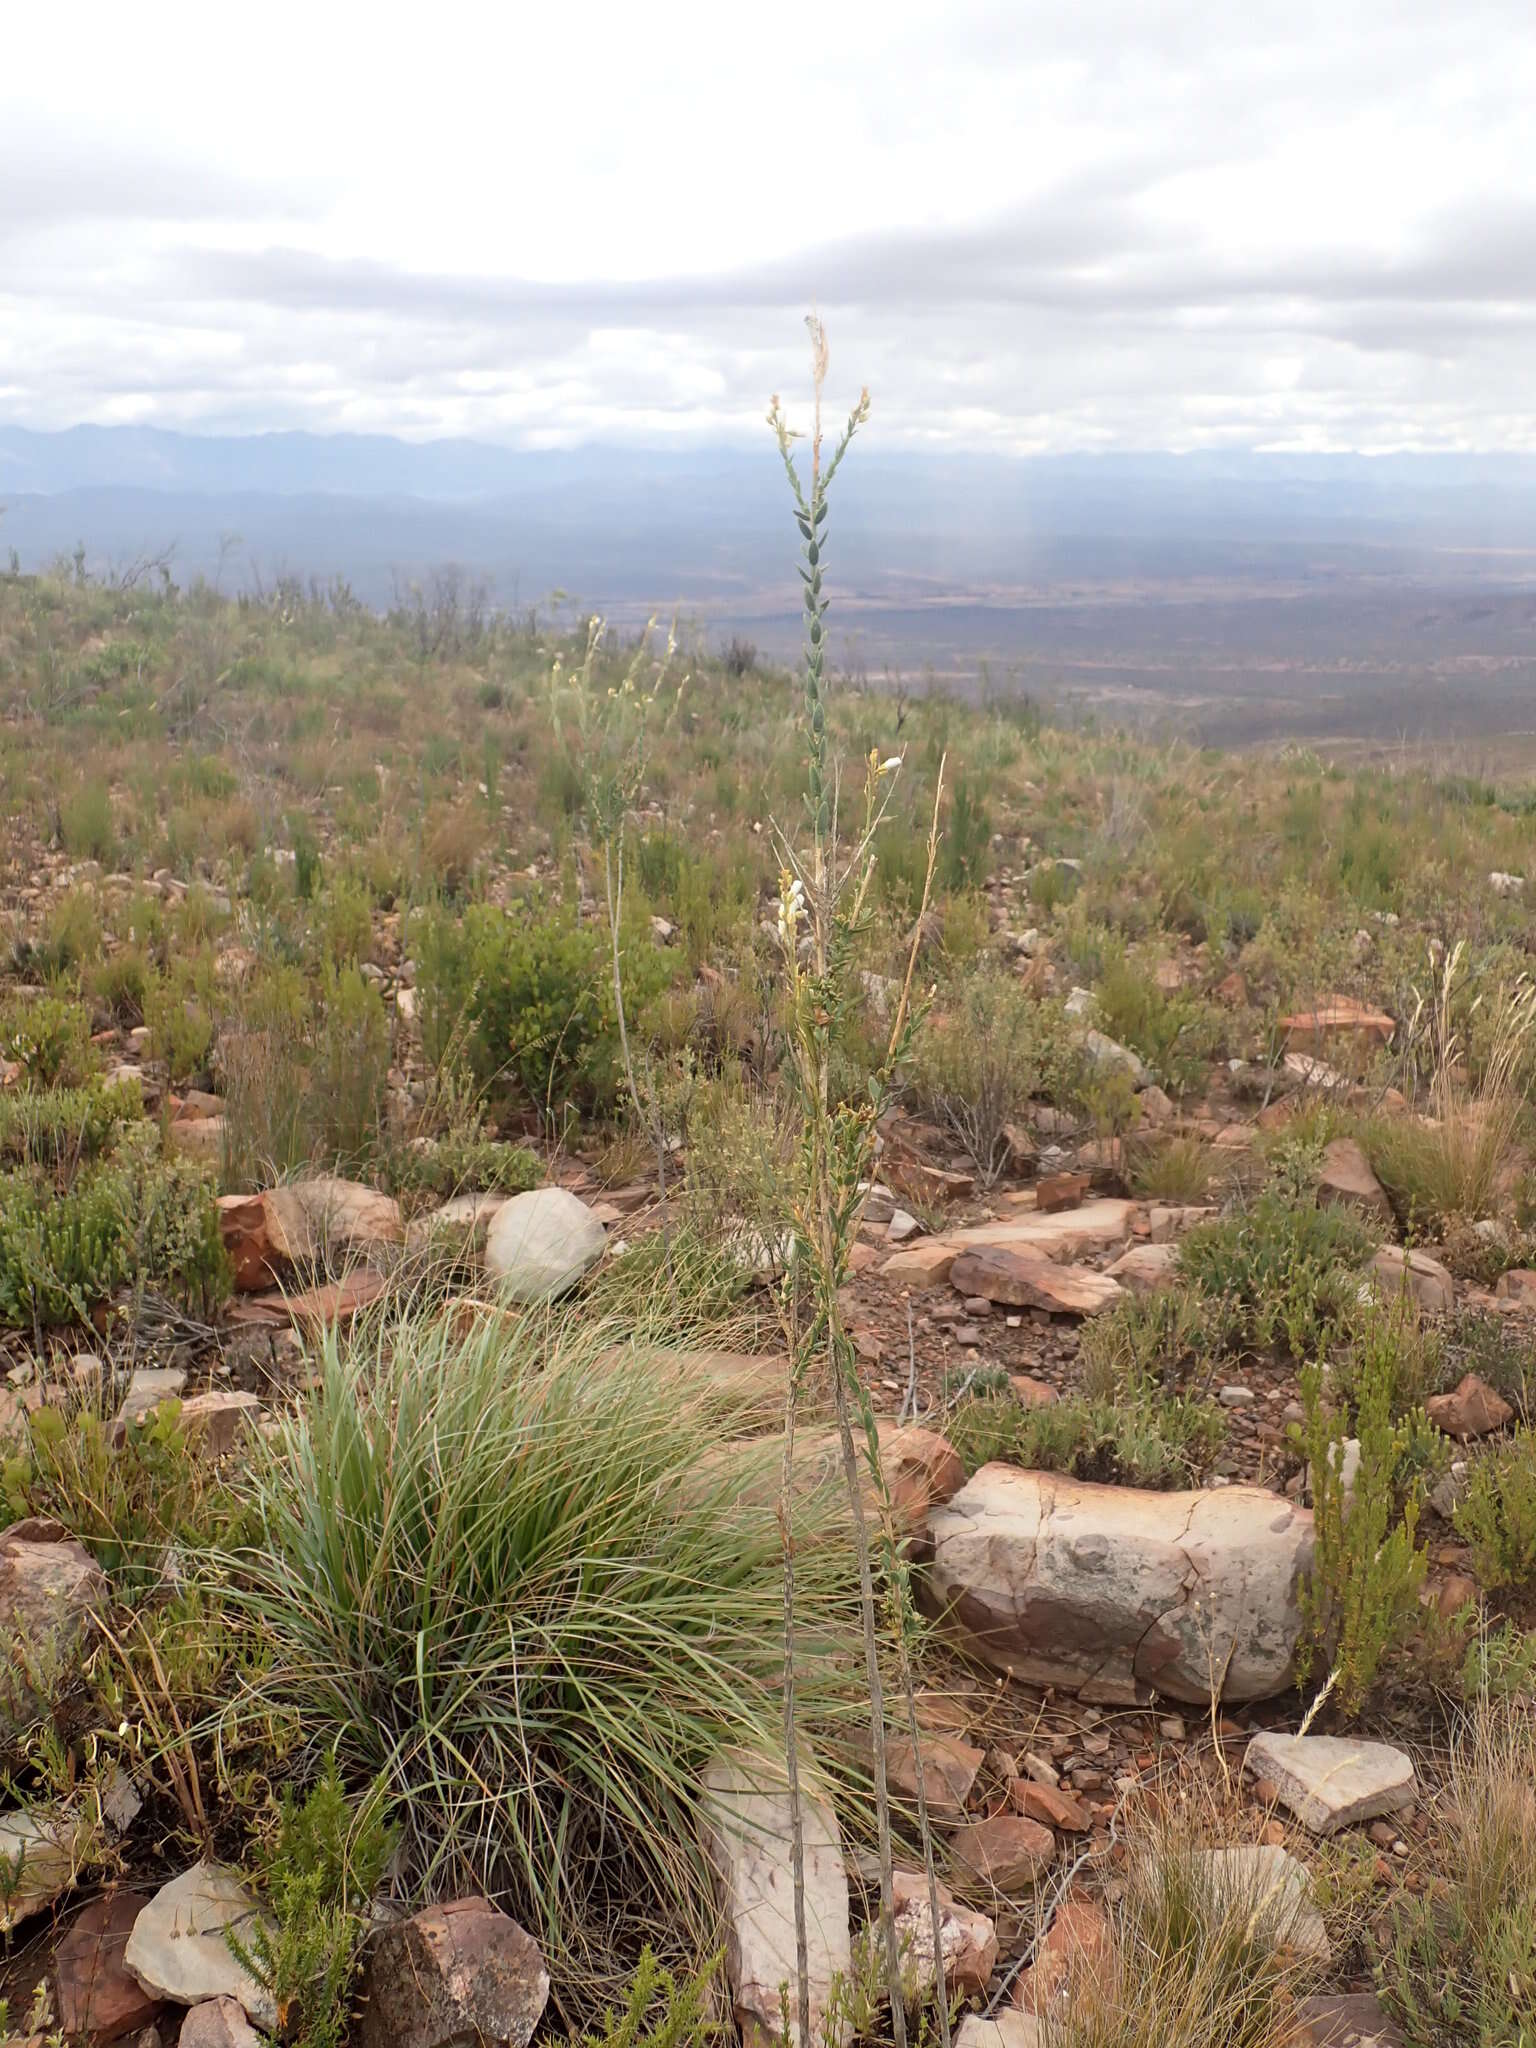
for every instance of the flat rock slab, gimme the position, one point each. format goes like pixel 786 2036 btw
pixel 1023 1278
pixel 1120 1594
pixel 178 1950
pixel 744 1828
pixel 1094 1227
pixel 1330 1782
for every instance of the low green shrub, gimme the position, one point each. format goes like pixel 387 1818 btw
pixel 530 994
pixel 49 1036
pixel 1137 1439
pixel 1177 1035
pixel 463 1164
pixel 986 1049
pixel 1497 1513
pixel 1283 1270
pixel 136 1220
pixel 59 1129
pixel 317 1871
pixel 1361 1599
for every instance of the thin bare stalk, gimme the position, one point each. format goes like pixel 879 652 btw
pixel 791 1743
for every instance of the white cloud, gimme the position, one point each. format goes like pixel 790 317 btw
pixel 1127 222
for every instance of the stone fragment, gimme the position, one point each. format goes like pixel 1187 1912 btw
pixel 453 1976
pixel 37 1859
pixel 49 1586
pixel 745 1832
pixel 1346 1181
pixel 1269 1889
pixel 1145 1268
pixel 1022 1278
pixel 95 1995
pixel 949 1765
pixel 218 2023
pixel 1429 1283
pixel 1006 1854
pixel 1471 1409
pixel 178 1950
pixel 1330 1782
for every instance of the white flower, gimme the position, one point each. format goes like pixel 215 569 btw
pixel 893 762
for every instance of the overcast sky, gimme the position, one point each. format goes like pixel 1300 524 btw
pixel 1095 223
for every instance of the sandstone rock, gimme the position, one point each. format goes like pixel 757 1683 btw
pixel 1008 2029
pixel 967 1940
pixel 1232 991
pixel 49 1585
pixel 1108 1054
pixel 542 1243
pixel 922 1265
pixel 1156 1106
pixel 950 1766
pixel 745 1831
pixel 1505 884
pixel 148 1386
pixel 37 1855
pixel 1059 1191
pixel 1145 1268
pixel 1426 1279
pixel 920 1467
pixel 1032 1392
pixel 462 1222
pixel 452 1975
pixel 1347 1180
pixel 218 2023
pixel 312 1309
pixel 1078 1943
pixel 1518 1285
pixel 1329 1782
pixel 1312 1073
pixel 215 1423
pixel 1118 1593
pixel 199 1137
pixel 177 1949
pixel 1167 1222
pixel 1471 1409
pixel 1336 1017
pixel 1051 1805
pixel 1028 1279
pixel 1269 1889
pixel 1007 1854
pixel 303 1223
pixel 94 1993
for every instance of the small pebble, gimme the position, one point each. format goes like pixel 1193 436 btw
pixel 977 1305
pixel 1172 1727
pixel 1236 1397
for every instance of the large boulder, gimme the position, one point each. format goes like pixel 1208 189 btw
pixel 453 1975
pixel 744 1826
pixel 540 1244
pixel 179 1948
pixel 1120 1594
pixel 49 1585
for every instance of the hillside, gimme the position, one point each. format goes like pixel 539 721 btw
pixel 432 1117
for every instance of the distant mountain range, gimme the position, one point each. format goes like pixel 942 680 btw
pixel 1176 578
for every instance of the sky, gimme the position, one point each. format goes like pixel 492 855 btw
pixel 1084 225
